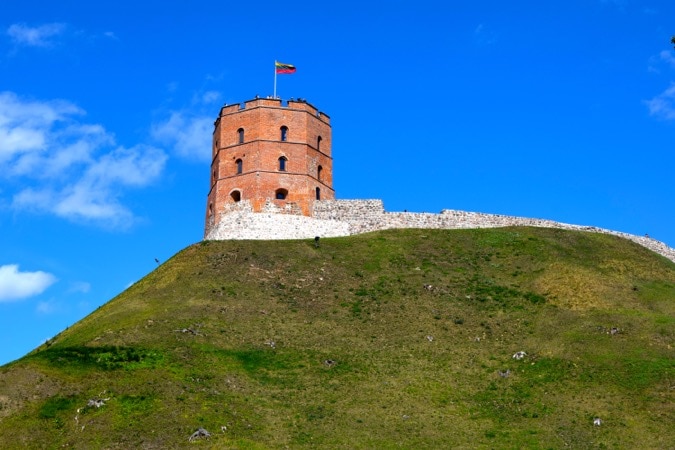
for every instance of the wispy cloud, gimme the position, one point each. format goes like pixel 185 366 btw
pixel 188 130
pixel 24 124
pixel 81 287
pixel 94 194
pixel 668 57
pixel 484 35
pixel 209 97
pixel 621 4
pixel 663 105
pixel 40 36
pixel 17 285
pixel 46 307
pixel 656 61
pixel 189 135
pixel 57 164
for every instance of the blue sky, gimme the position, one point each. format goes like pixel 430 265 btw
pixel 562 110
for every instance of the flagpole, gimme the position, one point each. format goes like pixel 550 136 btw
pixel 275 79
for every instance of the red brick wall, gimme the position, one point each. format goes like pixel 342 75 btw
pixel 262 120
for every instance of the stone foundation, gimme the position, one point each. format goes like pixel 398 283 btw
pixel 332 218
pixel 273 223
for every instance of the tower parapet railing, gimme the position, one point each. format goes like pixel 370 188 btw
pixel 296 104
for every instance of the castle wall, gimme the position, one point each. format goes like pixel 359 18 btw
pixel 276 221
pixel 332 218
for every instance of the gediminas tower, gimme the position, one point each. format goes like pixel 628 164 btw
pixel 267 153
pixel 272 178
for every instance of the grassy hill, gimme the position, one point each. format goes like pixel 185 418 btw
pixel 397 339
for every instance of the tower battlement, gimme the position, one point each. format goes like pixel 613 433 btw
pixel 299 104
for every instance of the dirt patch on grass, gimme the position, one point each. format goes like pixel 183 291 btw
pixel 576 288
pixel 22 385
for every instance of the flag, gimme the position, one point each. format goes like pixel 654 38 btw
pixel 284 68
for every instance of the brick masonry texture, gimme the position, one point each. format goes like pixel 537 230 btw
pixel 248 145
pixel 332 218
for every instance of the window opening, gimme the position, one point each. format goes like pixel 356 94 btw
pixel 240 135
pixel 236 196
pixel 240 166
pixel 319 170
pixel 282 164
pixel 318 193
pixel 281 194
pixel 284 133
pixel 318 143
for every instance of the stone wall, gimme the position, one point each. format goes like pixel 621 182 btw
pixel 273 223
pixel 331 218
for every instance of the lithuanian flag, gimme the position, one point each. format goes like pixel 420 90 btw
pixel 284 68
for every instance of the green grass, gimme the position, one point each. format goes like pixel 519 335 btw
pixel 82 358
pixel 387 340
pixel 53 406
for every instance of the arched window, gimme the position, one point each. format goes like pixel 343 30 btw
pixel 281 194
pixel 240 135
pixel 318 193
pixel 284 133
pixel 210 209
pixel 318 143
pixel 282 164
pixel 318 173
pixel 236 196
pixel 240 166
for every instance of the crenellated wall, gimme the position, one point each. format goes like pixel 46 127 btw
pixel 331 218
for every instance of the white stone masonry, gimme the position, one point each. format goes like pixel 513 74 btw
pixel 331 218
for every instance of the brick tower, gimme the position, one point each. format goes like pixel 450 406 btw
pixel 266 156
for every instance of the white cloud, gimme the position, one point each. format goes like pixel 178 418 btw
pixel 81 287
pixel 69 147
pixel 24 123
pixel 94 195
pixel 483 35
pixel 663 105
pixel 667 56
pixel 655 62
pixel 76 203
pixel 41 36
pixel 15 285
pixel 188 130
pixel 172 86
pixel 210 97
pixel 127 166
pixel 189 135
pixel 46 307
pixel 62 166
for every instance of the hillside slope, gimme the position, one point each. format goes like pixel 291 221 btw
pixel 398 339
